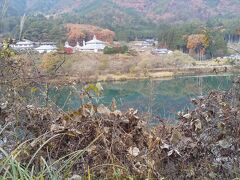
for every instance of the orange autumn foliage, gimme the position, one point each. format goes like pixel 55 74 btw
pixel 194 40
pixel 79 32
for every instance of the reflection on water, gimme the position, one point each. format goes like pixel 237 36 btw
pixel 163 97
pixel 157 97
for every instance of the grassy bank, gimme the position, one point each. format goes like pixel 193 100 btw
pixel 89 67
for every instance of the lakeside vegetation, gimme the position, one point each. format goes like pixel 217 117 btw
pixel 107 67
pixel 115 50
pixel 97 142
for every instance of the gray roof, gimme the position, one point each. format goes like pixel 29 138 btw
pixel 95 41
pixel 46 47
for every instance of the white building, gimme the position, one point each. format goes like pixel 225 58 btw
pixel 45 43
pixel 46 49
pixel 26 45
pixel 94 45
pixel 23 45
pixel 77 47
pixel 161 51
pixel 67 45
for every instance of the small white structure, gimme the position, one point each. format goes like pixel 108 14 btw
pixel 46 49
pixel 45 43
pixel 77 47
pixel 94 45
pixel 161 51
pixel 146 43
pixel 67 45
pixel 23 45
pixel 233 57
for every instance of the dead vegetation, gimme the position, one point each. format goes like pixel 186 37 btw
pixel 107 143
pixel 104 143
pixel 95 67
pixel 89 67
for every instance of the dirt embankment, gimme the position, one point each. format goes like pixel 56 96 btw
pixel 89 67
pixel 200 70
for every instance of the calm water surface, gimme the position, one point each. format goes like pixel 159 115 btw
pixel 157 97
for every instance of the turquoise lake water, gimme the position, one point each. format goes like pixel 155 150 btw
pixel 162 98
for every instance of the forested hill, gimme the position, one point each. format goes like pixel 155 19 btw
pixel 120 10
pixel 129 19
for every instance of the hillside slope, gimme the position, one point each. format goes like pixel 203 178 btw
pixel 129 19
pixel 154 10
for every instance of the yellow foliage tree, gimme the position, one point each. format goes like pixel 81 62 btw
pixel 198 43
pixel 195 40
pixel 51 61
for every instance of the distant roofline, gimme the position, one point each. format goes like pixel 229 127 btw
pixel 46 47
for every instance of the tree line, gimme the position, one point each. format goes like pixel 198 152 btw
pixel 209 37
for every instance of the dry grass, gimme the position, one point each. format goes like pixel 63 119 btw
pixel 213 62
pixel 161 74
pixel 91 66
pixel 176 59
pixel 102 64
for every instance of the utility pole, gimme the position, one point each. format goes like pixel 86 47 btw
pixel 22 22
pixel 3 13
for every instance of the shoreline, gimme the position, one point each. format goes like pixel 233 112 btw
pixel 91 68
pixel 163 73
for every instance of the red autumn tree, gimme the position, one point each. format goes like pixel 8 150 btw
pixel 79 32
